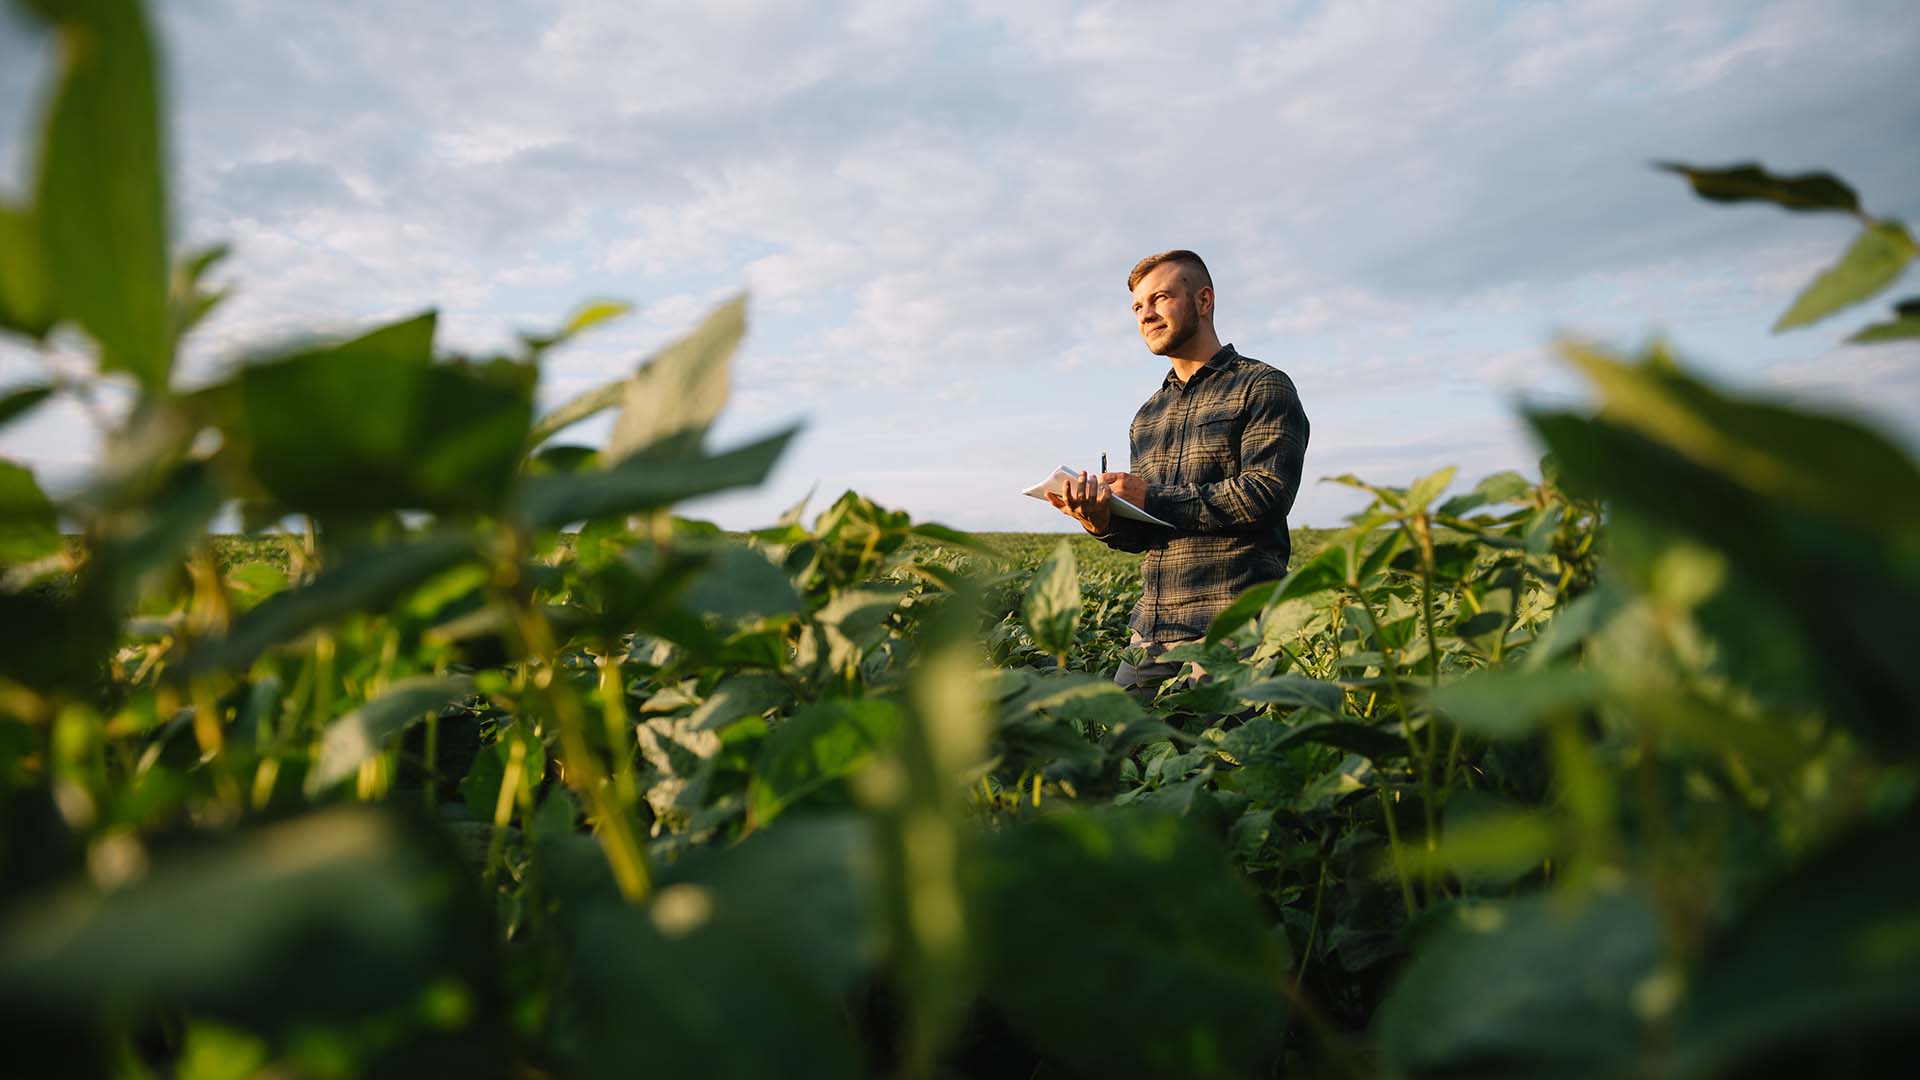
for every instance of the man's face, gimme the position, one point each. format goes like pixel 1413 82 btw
pixel 1166 309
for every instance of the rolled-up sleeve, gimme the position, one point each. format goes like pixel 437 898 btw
pixel 1272 451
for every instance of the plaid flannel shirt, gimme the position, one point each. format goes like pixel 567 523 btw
pixel 1221 455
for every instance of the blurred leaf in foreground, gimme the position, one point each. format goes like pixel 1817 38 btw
pixel 101 202
pixel 1874 261
pixel 1525 988
pixel 1752 183
pixel 28 526
pixel 339 914
pixel 1052 606
pixel 1156 959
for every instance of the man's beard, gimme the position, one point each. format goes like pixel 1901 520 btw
pixel 1176 338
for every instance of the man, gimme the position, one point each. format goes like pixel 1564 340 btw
pixel 1217 451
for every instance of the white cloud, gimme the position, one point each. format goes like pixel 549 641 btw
pixel 935 205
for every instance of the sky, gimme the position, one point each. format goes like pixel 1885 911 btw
pixel 933 208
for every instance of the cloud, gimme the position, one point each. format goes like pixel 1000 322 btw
pixel 935 205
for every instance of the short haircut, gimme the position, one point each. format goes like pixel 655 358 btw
pixel 1179 255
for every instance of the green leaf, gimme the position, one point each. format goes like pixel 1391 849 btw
pixel 101 196
pixel 1051 608
pixel 826 742
pixel 364 906
pixel 646 481
pixel 1495 846
pixel 591 403
pixel 373 425
pixel 1875 260
pixel 187 301
pixel 29 528
pixel 1828 463
pixel 1327 570
pixel 1296 690
pixel 1752 183
pixel 364 732
pixel 738 697
pixel 803 891
pixel 216 1052
pixel 1086 921
pixel 250 583
pixel 1501 703
pixel 677 393
pixel 585 317
pixel 1260 739
pixel 946 537
pixel 150 539
pixel 1501 487
pixel 737 582
pixel 18 403
pixel 1428 488
pixel 1824 957
pixel 53 642
pixel 756 1009
pixel 1245 607
pixel 1525 987
pixel 26 303
pixel 1905 325
pixel 364 583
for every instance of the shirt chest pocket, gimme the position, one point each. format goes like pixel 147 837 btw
pixel 1212 452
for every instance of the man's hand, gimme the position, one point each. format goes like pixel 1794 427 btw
pixel 1085 501
pixel 1128 486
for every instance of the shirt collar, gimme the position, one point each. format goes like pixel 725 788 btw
pixel 1215 362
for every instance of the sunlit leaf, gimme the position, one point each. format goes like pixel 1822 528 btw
pixel 1428 488
pixel 823 743
pixel 101 196
pixel 1812 567
pixel 187 301
pixel 1235 616
pixel 26 302
pixel 680 390
pixel 1051 609
pixel 585 317
pixel 1830 463
pixel 1904 326
pixel 1501 487
pixel 1875 260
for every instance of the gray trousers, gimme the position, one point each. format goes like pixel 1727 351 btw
pixel 1144 681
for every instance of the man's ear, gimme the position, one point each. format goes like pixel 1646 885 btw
pixel 1203 301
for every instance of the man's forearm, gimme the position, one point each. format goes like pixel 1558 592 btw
pixel 1226 505
pixel 1125 534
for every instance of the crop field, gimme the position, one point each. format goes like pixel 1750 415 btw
pixel 490 764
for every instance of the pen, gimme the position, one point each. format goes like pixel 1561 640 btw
pixel 1103 462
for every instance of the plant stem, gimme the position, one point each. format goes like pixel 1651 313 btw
pixel 612 825
pixel 613 711
pixel 1399 868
